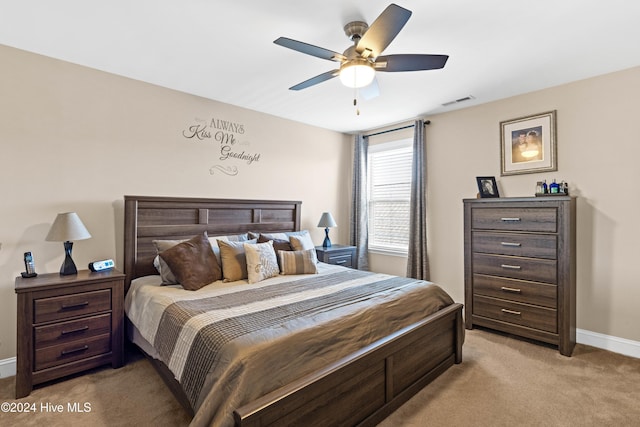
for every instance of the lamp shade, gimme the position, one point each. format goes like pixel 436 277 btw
pixel 326 220
pixel 357 73
pixel 66 227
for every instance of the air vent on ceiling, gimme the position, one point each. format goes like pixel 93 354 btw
pixel 466 98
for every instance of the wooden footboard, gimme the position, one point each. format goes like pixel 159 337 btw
pixel 365 387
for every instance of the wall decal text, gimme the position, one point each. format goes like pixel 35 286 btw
pixel 229 137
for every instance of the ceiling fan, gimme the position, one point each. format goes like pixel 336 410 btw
pixel 359 62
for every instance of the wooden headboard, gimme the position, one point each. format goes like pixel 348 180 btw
pixel 149 218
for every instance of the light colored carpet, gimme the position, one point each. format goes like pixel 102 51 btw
pixel 502 382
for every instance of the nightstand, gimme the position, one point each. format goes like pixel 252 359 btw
pixel 68 324
pixel 338 255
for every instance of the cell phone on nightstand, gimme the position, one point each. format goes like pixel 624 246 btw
pixel 29 266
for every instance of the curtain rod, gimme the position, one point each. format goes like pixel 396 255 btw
pixel 426 122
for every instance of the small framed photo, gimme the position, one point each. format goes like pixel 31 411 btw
pixel 487 186
pixel 528 144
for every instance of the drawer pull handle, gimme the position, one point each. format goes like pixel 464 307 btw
pixel 74 306
pixel 511 244
pixel 517 313
pixel 342 261
pixel 514 290
pixel 511 267
pixel 73 331
pixel 508 219
pixel 75 350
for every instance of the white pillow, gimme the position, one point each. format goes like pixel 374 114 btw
pixel 261 261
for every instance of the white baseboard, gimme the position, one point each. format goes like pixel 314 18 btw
pixel 8 367
pixel 607 342
pixel 594 339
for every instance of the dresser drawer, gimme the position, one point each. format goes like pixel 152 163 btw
pixel 537 270
pixel 515 219
pixel 541 318
pixel 516 290
pixel 55 355
pixel 68 306
pixel 516 244
pixel 72 330
pixel 343 260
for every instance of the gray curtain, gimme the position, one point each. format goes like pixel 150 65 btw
pixel 418 262
pixel 359 209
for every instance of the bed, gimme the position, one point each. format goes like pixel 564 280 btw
pixel 350 361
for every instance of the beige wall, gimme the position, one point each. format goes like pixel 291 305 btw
pixel 76 139
pixel 598 152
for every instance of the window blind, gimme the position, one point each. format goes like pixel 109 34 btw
pixel 389 197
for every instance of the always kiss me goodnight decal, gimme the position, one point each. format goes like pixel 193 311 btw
pixel 229 137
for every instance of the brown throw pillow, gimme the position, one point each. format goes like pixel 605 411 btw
pixel 193 262
pixel 168 278
pixel 278 244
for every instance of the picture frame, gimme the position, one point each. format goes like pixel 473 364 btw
pixel 528 144
pixel 487 186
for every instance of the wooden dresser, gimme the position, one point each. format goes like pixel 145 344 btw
pixel 67 324
pixel 520 268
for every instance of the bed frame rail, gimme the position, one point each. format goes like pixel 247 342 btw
pixel 365 387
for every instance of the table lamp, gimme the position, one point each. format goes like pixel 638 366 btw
pixel 67 227
pixel 326 221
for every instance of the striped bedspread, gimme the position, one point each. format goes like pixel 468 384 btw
pixel 230 343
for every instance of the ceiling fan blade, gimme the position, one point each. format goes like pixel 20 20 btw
pixel 315 80
pixel 409 62
pixel 310 49
pixel 370 91
pixel 383 30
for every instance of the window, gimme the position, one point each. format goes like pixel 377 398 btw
pixel 389 196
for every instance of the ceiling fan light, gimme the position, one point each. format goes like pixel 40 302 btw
pixel 357 73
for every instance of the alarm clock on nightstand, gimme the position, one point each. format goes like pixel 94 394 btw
pixel 105 264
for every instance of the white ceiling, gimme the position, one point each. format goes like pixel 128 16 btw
pixel 223 50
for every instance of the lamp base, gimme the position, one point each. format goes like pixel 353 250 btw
pixel 68 266
pixel 327 242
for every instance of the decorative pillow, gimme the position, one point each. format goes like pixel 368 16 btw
pixel 261 261
pixel 233 238
pixel 298 262
pixel 193 262
pixel 282 235
pixel 234 260
pixel 168 278
pixel 278 244
pixel 301 242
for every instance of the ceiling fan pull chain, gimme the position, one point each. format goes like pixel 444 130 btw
pixel 355 101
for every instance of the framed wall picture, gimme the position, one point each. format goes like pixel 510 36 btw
pixel 528 144
pixel 487 186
